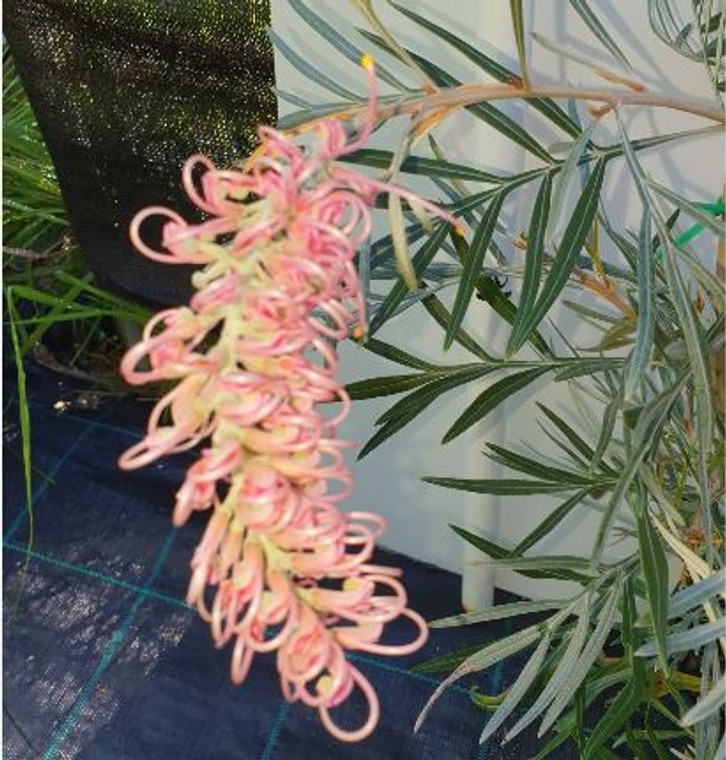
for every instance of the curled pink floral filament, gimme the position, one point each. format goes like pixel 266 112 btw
pixel 279 567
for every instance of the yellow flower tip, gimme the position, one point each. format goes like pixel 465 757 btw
pixel 366 61
pixel 358 332
pixel 324 686
pixel 460 231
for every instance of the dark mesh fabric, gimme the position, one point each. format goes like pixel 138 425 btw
pixel 124 91
pixel 103 659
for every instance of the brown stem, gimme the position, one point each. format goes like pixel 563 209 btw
pixel 470 94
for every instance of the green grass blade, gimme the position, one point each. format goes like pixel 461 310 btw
pixel 24 415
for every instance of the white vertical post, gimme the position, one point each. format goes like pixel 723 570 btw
pixel 495 150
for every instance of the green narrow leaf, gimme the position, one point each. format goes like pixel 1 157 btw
pixel 566 173
pixel 533 263
pixel 24 415
pixel 515 7
pixel 619 712
pixel 422 397
pixel 710 222
pixel 492 549
pixel 595 26
pixel 501 486
pixel 342 45
pixel 497 612
pixel 573 240
pixel 473 265
pixel 550 522
pixel 609 418
pixel 706 706
pixel 425 167
pixel 488 291
pixel 692 639
pixel 532 467
pixel 397 355
pixel 385 386
pixel 408 408
pixel 645 435
pixel 574 438
pixel 491 398
pixel 518 689
pixel 309 71
pixel 640 355
pixel 563 564
pixel 693 334
pixel 655 573
pixel 545 106
pixel 422 258
pixel 481 660
pixel 586 660
pixel 442 316
pixel 572 651
pixel 693 595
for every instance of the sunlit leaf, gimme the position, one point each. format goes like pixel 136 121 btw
pixel 497 612
pixel 586 660
pixel 518 689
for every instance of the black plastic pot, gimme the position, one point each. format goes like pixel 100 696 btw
pixel 124 91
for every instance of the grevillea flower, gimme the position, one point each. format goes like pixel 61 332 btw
pixel 253 355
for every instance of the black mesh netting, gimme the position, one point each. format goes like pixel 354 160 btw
pixel 124 91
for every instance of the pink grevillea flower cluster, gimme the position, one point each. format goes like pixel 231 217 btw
pixel 279 567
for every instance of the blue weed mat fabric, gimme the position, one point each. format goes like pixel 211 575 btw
pixel 103 660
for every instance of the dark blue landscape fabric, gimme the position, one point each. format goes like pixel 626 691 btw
pixel 103 660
